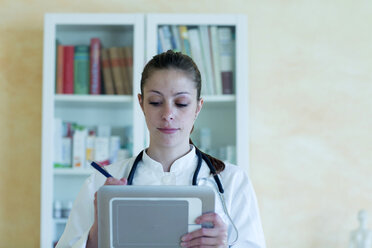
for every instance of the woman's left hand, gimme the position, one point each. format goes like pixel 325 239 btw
pixel 207 237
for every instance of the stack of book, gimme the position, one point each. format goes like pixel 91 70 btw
pixel 211 47
pixel 79 69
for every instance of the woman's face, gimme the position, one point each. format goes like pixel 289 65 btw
pixel 170 106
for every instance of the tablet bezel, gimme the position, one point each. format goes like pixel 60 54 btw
pixel 108 192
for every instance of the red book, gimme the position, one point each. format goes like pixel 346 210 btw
pixel 227 82
pixel 95 66
pixel 68 70
pixel 59 86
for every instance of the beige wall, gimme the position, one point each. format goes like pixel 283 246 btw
pixel 310 107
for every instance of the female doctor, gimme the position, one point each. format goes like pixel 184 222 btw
pixel 170 101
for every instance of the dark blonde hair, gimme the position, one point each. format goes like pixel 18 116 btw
pixel 179 61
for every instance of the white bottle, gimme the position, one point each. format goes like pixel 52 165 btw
pixel 57 211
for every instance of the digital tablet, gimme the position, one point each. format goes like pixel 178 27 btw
pixel 149 216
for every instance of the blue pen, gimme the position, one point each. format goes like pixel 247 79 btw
pixel 100 169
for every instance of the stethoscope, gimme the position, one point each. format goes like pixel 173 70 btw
pixel 201 157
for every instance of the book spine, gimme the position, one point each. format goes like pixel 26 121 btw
pixel 215 59
pixel 81 70
pixel 128 57
pixel 95 66
pixel 116 70
pixel 227 82
pixel 108 82
pixel 196 53
pixel 59 88
pixel 124 70
pixel 185 43
pixel 226 48
pixel 176 38
pixel 206 48
pixel 165 37
pixel 68 70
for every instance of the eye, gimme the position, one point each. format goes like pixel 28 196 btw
pixel 154 103
pixel 181 105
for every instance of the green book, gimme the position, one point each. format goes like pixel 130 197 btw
pixel 81 70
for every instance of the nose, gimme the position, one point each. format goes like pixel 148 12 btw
pixel 167 112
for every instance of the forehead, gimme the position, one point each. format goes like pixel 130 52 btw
pixel 169 80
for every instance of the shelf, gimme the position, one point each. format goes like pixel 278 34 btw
pixel 60 220
pixel 93 100
pixel 72 172
pixel 219 101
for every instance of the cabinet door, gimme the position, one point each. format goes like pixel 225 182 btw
pixel 120 112
pixel 217 44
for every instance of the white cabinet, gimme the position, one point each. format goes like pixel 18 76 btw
pixel 117 111
pixel 224 117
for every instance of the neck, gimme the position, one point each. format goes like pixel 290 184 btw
pixel 166 155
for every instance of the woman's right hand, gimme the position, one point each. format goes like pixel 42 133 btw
pixel 93 232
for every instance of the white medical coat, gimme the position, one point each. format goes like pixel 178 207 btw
pixel 239 196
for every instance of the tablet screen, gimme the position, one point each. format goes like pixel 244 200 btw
pixel 149 223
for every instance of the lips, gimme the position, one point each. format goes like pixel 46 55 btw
pixel 168 130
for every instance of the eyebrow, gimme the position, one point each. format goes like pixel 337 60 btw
pixel 178 93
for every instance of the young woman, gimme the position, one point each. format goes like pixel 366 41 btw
pixel 170 101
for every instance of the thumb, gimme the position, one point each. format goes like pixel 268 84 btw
pixel 124 181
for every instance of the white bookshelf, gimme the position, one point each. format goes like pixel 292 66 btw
pixel 225 115
pixel 114 110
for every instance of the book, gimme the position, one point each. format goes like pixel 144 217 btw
pixel 95 67
pixel 128 58
pixel 226 49
pixel 215 60
pixel 165 38
pixel 124 70
pixel 196 53
pixel 116 70
pixel 68 70
pixel 108 81
pixel 185 43
pixel 59 74
pixel 81 70
pixel 176 38
pixel 207 58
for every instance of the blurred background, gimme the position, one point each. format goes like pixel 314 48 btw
pixel 310 95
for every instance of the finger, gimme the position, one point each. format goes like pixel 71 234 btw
pixel 124 181
pixel 203 242
pixel 95 207
pixel 211 217
pixel 115 181
pixel 206 232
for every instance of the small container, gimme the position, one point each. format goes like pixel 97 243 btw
pixel 57 210
pixel 67 209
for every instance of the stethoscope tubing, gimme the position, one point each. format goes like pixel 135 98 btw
pixel 201 157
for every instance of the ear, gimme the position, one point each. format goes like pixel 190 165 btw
pixel 199 107
pixel 140 100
